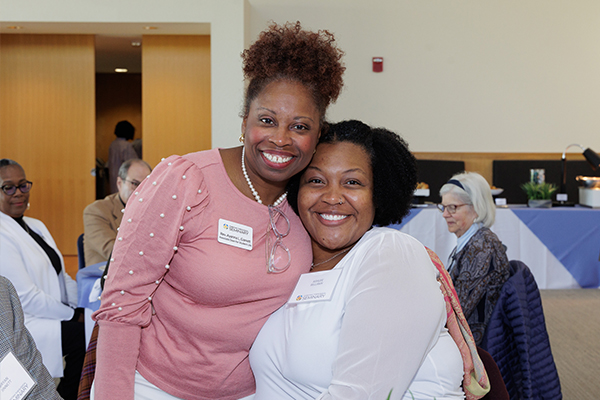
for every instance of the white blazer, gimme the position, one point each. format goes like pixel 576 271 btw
pixel 44 295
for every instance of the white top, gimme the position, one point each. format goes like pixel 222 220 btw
pixel 46 298
pixel 384 326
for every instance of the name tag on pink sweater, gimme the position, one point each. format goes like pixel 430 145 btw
pixel 234 234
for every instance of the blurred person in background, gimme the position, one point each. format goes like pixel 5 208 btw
pixel 30 259
pixel 102 218
pixel 121 149
pixel 478 265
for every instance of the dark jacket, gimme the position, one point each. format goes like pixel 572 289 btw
pixel 517 339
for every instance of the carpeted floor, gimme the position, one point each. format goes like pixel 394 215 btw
pixel 573 324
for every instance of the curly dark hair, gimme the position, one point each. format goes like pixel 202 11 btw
pixel 394 168
pixel 287 52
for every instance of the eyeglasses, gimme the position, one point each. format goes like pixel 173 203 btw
pixel 278 255
pixel 9 190
pixel 135 184
pixel 450 207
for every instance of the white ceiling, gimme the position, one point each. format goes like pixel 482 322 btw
pixel 113 40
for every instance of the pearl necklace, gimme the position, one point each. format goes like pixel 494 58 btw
pixel 329 259
pixel 251 186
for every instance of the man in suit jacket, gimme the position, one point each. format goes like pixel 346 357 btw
pixel 16 339
pixel 102 218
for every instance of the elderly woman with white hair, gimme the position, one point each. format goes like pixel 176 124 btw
pixel 478 264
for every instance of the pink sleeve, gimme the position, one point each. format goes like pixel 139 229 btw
pixel 116 360
pixel 146 243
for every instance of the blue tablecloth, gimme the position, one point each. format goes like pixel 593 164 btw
pixel 86 278
pixel 570 234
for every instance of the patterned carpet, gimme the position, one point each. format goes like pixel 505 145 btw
pixel 573 323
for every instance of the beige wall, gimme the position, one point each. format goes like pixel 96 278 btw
pixel 495 76
pixel 464 76
pixel 47 125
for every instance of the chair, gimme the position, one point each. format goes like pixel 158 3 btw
pixel 517 339
pixel 498 388
pixel 80 254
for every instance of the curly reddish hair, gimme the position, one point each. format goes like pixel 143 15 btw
pixel 287 52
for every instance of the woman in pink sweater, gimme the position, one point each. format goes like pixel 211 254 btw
pixel 209 247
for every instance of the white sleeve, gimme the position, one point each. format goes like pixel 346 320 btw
pixel 393 317
pixel 71 286
pixel 33 300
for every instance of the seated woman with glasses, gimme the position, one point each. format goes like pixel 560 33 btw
pixel 369 320
pixel 478 264
pixel 32 262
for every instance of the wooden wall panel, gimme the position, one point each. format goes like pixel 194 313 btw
pixel 47 125
pixel 175 95
pixel 482 162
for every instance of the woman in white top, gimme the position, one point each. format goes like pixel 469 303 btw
pixel 30 259
pixel 368 322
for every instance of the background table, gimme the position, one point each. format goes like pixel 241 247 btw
pixel 560 245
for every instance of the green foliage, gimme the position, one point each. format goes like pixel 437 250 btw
pixel 538 191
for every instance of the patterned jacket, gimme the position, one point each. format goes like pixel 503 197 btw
pixel 15 338
pixel 480 270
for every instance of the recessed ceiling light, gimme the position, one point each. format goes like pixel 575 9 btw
pixel 14 27
pixel 121 70
pixel 136 43
pixel 148 28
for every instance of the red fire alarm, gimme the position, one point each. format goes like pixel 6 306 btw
pixel 377 64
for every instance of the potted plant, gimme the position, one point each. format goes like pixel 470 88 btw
pixel 539 194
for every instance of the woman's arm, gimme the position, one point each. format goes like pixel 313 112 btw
pixel 146 243
pixel 393 317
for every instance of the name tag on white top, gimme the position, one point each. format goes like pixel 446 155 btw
pixel 234 234
pixel 15 381
pixel 315 286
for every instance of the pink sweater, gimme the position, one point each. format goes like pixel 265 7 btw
pixel 178 306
